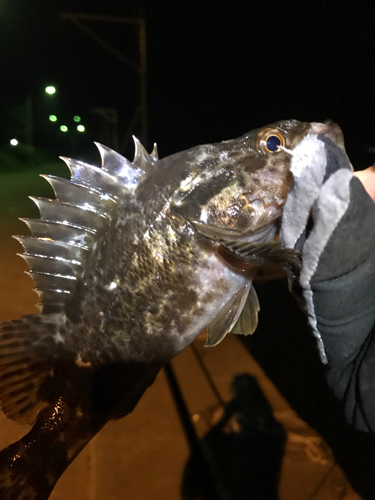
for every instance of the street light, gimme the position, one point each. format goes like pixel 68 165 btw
pixel 50 89
pixel 13 142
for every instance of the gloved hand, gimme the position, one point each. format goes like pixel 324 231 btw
pixel 330 217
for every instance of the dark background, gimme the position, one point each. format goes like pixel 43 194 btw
pixel 215 69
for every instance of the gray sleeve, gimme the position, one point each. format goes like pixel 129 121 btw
pixel 343 303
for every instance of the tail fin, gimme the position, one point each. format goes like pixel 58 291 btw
pixel 28 349
pixel 69 402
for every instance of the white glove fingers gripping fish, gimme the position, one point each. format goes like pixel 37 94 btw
pixel 131 262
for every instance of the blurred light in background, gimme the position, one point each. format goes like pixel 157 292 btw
pixel 13 142
pixel 50 89
pixel 81 128
pixel 77 118
pixel 53 118
pixel 63 128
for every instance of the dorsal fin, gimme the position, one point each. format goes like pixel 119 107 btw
pixel 84 215
pixel 88 175
pixel 117 165
pixel 154 153
pixel 68 226
pixel 70 192
pixel 55 267
pixel 74 235
pixel 141 158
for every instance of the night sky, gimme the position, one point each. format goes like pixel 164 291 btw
pixel 215 69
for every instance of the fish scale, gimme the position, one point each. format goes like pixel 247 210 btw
pixel 132 261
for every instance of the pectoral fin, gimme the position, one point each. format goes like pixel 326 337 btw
pixel 248 320
pixel 225 320
pixel 215 233
pixel 256 253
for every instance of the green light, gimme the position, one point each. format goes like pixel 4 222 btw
pixel 50 89
pixel 77 118
pixel 63 128
pixel 53 118
pixel 81 128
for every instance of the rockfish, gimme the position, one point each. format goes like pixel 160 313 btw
pixel 131 262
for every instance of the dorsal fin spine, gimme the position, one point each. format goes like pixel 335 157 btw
pixel 89 208
pixel 44 281
pixel 33 247
pixel 141 158
pixel 112 161
pixel 154 153
pixel 52 266
pixel 127 172
pixel 68 191
pixel 53 210
pixel 59 259
pixel 65 276
pixel 32 222
pixel 89 175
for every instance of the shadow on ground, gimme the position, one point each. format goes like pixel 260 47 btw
pixel 286 350
pixel 244 449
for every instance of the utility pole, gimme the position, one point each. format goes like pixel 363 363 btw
pixel 140 68
pixel 110 115
pixel 142 71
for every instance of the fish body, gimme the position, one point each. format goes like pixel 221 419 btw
pixel 131 262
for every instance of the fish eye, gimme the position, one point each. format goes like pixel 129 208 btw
pixel 271 142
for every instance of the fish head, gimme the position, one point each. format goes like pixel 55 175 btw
pixel 242 184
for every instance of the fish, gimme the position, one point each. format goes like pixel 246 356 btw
pixel 131 262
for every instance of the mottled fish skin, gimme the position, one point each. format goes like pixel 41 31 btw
pixel 148 276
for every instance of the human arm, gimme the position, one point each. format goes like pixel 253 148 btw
pixel 330 218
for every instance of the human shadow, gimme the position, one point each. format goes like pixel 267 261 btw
pixel 286 349
pixel 243 451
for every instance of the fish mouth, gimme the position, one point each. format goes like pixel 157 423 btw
pixel 331 130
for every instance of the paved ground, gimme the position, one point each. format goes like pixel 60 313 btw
pixel 143 455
